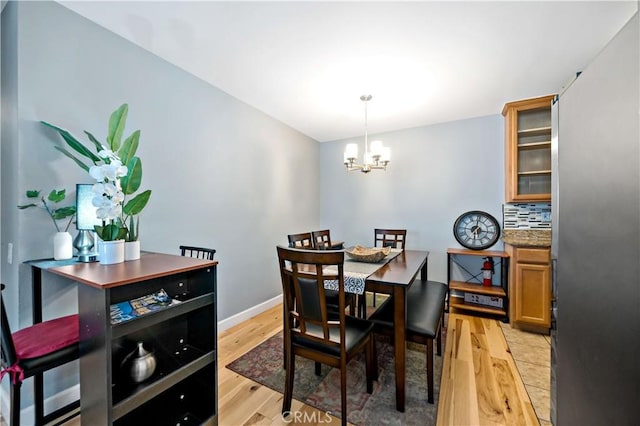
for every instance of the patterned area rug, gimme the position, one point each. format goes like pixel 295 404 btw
pixel 264 363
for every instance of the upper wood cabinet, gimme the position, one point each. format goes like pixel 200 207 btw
pixel 528 149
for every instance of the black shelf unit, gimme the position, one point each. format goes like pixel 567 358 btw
pixel 182 337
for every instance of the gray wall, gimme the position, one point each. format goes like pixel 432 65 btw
pixel 222 172
pixel 598 285
pixel 436 173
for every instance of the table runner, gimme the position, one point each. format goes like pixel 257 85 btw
pixel 356 273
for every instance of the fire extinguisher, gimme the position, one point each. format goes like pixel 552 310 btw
pixel 487 271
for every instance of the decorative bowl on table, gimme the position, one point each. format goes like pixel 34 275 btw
pixel 367 254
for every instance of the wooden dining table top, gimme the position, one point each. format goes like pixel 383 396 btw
pixel 401 270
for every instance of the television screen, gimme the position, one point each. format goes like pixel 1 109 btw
pixel 85 210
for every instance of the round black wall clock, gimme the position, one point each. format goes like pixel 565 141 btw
pixel 476 230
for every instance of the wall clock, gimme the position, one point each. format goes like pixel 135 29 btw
pixel 476 230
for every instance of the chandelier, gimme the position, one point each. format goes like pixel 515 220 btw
pixel 376 158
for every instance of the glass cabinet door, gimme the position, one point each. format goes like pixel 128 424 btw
pixel 528 150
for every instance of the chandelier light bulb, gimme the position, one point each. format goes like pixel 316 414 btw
pixel 376 148
pixel 386 154
pixel 351 153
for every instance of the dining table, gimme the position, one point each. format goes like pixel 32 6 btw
pixel 394 278
pixel 392 275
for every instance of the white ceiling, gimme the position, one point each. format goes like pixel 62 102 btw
pixel 306 63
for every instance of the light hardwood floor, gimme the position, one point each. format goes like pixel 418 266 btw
pixel 481 383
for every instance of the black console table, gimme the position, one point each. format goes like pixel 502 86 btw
pixel 183 337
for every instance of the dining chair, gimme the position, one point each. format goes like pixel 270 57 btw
pixel 425 318
pixel 310 330
pixel 394 238
pixel 302 240
pixel 305 240
pixel 31 351
pixel 322 240
pixel 199 252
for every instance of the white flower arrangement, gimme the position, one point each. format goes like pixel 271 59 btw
pixel 108 195
pixel 118 174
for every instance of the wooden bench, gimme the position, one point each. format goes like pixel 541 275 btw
pixel 425 316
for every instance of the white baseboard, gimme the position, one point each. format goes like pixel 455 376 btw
pixel 249 313
pixel 69 395
pixel 52 403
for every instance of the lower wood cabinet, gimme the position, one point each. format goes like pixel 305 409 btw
pixel 530 286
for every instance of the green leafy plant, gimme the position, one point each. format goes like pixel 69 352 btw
pixel 115 166
pixel 50 204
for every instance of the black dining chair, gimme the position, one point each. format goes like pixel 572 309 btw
pixel 199 252
pixel 425 319
pixel 310 330
pixel 31 351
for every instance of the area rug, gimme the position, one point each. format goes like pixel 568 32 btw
pixel 264 364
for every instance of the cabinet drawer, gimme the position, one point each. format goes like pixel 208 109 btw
pixel 533 255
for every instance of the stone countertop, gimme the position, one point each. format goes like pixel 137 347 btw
pixel 527 237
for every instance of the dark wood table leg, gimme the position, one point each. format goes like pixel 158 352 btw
pixel 36 294
pixel 36 314
pixel 400 322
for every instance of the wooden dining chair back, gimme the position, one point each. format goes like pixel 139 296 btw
pixel 310 329
pixel 394 238
pixel 305 240
pixel 30 352
pixel 302 240
pixel 322 240
pixel 198 252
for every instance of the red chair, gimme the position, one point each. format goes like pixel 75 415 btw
pixel 30 352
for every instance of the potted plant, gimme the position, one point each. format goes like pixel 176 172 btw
pixel 108 198
pixel 62 241
pixel 118 174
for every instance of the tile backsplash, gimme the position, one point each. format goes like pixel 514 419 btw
pixel 526 216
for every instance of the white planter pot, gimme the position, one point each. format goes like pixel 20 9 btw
pixel 132 250
pixel 62 246
pixel 111 252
